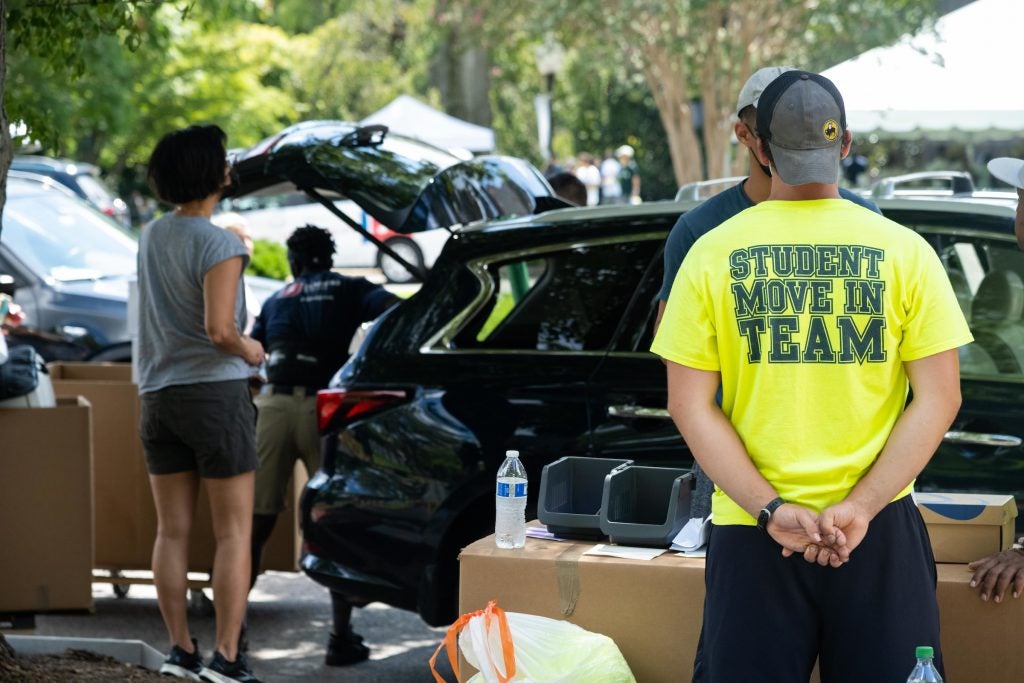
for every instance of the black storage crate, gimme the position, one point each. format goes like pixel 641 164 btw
pixel 645 505
pixel 571 489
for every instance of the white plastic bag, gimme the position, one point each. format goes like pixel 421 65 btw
pixel 524 648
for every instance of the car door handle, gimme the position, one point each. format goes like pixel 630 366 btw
pixel 638 411
pixel 978 439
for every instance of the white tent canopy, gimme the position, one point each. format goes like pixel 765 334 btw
pixel 408 116
pixel 962 76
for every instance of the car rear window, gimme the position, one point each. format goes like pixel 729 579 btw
pixel 570 299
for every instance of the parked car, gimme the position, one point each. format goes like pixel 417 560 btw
pixel 83 179
pixel 533 334
pixel 69 267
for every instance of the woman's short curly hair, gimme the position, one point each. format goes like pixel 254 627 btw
pixel 188 164
pixel 311 248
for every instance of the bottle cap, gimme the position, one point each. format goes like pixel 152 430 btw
pixel 924 651
pixel 511 454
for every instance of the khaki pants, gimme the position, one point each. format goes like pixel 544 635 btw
pixel 286 431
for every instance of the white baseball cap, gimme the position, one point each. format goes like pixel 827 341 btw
pixel 624 151
pixel 1008 170
pixel 755 85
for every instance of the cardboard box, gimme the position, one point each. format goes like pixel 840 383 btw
pixel 980 640
pixel 967 526
pixel 125 514
pixel 653 610
pixel 46 503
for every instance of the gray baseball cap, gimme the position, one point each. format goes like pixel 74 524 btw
pixel 802 117
pixel 1008 170
pixel 755 85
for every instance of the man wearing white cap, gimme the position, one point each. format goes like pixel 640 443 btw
pixel 815 316
pixel 996 573
pixel 1012 171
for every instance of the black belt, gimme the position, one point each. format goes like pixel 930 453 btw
pixel 288 389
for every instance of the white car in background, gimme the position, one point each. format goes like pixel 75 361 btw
pixel 275 212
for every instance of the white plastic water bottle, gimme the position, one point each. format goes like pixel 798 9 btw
pixel 924 671
pixel 510 503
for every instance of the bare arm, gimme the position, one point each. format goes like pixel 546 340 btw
pixel 1018 225
pixel 720 452
pixel 661 314
pixel 935 381
pixel 220 287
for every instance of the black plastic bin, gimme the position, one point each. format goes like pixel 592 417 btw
pixel 645 505
pixel 571 489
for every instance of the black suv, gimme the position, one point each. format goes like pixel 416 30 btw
pixel 533 334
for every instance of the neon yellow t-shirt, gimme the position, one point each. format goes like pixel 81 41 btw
pixel 809 309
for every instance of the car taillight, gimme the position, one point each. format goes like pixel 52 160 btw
pixel 347 405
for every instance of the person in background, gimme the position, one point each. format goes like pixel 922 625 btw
pixel 994 574
pixel 306 328
pixel 611 190
pixel 236 224
pixel 629 175
pixel 590 176
pixel 814 447
pixel 197 420
pixel 569 187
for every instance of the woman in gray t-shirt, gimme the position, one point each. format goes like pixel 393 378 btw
pixel 197 420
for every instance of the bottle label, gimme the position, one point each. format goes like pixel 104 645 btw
pixel 505 490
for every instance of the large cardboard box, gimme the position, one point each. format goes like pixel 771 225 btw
pixel 46 503
pixel 967 526
pixel 653 610
pixel 125 514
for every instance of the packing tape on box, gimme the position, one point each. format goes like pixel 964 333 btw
pixel 568 575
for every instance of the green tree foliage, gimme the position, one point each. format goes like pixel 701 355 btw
pixel 60 35
pixel 353 64
pixel 690 51
pixel 269 259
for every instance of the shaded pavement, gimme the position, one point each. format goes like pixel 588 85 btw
pixel 289 619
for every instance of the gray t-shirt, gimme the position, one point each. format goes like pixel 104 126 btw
pixel 175 252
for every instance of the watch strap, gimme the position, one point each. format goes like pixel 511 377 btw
pixel 767 511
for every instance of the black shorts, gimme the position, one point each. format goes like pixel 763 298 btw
pixel 767 618
pixel 209 428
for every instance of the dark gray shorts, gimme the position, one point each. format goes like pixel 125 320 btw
pixel 209 428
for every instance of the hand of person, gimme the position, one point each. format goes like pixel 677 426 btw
pixel 997 572
pixel 795 528
pixel 252 351
pixel 843 526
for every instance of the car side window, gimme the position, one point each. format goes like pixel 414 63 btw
pixel 571 299
pixel 987 274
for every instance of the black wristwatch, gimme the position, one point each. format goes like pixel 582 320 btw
pixel 766 513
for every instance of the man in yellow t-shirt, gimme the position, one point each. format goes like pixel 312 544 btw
pixel 814 314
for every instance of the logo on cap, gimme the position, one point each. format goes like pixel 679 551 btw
pixel 830 130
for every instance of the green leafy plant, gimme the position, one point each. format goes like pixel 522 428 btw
pixel 269 259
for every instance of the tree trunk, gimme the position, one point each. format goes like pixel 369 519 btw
pixel 6 154
pixel 666 78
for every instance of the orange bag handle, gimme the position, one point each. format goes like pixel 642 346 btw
pixel 492 611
